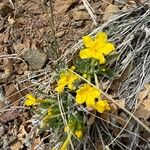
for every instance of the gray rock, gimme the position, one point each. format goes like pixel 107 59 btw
pixel 77 24
pixel 36 58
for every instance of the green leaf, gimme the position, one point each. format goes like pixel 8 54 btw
pixel 105 71
pixel 109 73
pixel 83 65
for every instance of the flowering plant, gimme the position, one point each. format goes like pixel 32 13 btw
pixel 78 87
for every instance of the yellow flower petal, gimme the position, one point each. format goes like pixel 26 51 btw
pixel 85 53
pixel 79 134
pixel 88 41
pixel 80 98
pixel 73 67
pixel 101 37
pixel 100 57
pixel 29 96
pixel 84 75
pixel 66 129
pixel 101 106
pixel 108 48
pixel 90 102
pixel 106 105
pixel 29 102
pixel 59 89
pixel 95 92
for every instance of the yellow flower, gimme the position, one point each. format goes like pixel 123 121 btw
pixel 87 94
pixel 101 106
pixel 66 129
pixel 97 48
pixel 30 100
pixel 66 79
pixel 79 134
pixel 84 75
pixel 50 113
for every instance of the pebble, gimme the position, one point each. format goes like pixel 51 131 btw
pixel 80 15
pixel 77 24
pixel 36 58
pixel 60 34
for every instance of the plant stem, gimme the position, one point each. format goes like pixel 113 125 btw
pixel 67 141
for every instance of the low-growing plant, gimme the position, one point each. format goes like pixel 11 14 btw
pixel 74 90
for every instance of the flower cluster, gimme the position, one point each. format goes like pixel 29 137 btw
pixel 66 79
pixel 30 100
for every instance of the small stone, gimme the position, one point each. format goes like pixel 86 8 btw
pixel 77 24
pixel 109 11
pixel 80 15
pixel 36 58
pixel 18 47
pixel 64 5
pixel 82 7
pixel 124 9
pixel 7 69
pixel 60 34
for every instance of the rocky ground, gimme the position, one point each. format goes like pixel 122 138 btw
pixel 33 34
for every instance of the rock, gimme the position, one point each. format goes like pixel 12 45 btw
pixel 60 34
pixel 5 10
pixel 18 47
pixel 64 5
pixel 82 7
pixel 109 11
pixel 9 115
pixel 77 24
pixel 35 57
pixel 80 15
pixel 124 9
pixel 7 69
pixel 104 4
